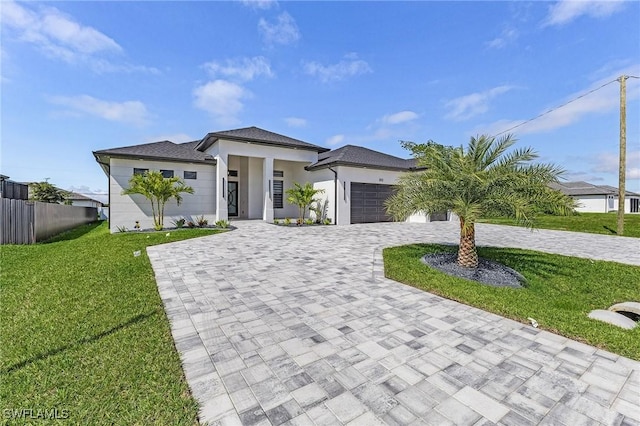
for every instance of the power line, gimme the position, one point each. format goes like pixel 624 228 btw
pixel 560 106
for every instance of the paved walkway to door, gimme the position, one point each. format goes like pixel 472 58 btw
pixel 298 326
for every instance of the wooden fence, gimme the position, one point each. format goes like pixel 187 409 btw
pixel 26 222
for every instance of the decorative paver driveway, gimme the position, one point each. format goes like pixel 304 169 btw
pixel 298 326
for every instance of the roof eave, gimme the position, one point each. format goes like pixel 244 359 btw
pixel 97 154
pixel 360 166
pixel 217 137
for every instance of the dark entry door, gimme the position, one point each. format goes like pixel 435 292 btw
pixel 232 199
pixel 367 202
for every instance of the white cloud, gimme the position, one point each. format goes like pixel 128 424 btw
pixel 103 66
pixel 565 11
pixel 284 31
pixel 244 69
pixel 60 37
pixel 399 117
pixel 574 108
pixel 468 106
pixel 260 4
pixel 608 162
pixel 295 122
pixel 222 99
pixel 335 140
pixel 132 112
pixel 56 33
pixel 507 37
pixel 348 67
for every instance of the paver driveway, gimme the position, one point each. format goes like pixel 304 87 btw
pixel 299 326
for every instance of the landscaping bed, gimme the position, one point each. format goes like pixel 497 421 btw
pixel 83 329
pixel 560 291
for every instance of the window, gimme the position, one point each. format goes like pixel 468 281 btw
pixel 137 171
pixel 278 173
pixel 167 173
pixel 190 175
pixel 277 194
pixel 232 173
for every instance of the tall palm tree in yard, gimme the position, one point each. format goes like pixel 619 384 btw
pixel 483 180
pixel 158 190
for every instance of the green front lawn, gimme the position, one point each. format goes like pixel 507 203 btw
pixel 561 291
pixel 594 223
pixel 83 329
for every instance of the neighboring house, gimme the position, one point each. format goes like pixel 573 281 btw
pixel 244 173
pixel 598 198
pixel 83 201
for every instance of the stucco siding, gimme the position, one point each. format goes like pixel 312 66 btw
pixel 226 147
pixel 592 204
pixel 127 209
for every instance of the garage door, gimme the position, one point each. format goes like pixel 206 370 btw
pixel 367 202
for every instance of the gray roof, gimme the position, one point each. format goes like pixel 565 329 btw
pixel 357 156
pixel 585 188
pixel 257 135
pixel 164 150
pixel 80 197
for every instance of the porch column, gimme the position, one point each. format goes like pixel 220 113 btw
pixel 267 182
pixel 221 187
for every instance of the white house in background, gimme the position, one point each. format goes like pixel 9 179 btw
pixel 83 201
pixel 598 198
pixel 244 173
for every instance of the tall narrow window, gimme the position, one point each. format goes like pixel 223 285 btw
pixel 278 190
pixel 278 194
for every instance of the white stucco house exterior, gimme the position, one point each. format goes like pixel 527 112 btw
pixel 598 198
pixel 244 173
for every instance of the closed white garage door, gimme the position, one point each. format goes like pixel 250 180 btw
pixel 367 202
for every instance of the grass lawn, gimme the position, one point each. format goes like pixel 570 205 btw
pixel 594 223
pixel 561 291
pixel 83 329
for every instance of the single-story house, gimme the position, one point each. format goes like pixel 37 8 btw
pixel 598 198
pixel 83 201
pixel 244 173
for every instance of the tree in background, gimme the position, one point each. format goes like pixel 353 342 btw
pixel 303 197
pixel 47 193
pixel 482 180
pixel 158 190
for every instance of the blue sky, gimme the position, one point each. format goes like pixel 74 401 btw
pixel 82 76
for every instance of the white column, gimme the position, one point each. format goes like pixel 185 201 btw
pixel 222 212
pixel 267 183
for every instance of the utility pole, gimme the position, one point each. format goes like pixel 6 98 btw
pixel 623 153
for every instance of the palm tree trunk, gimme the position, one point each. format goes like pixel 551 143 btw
pixel 467 254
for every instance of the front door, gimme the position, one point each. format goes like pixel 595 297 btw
pixel 232 199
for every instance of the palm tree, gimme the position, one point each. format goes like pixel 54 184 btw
pixel 303 197
pixel 158 190
pixel 482 180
